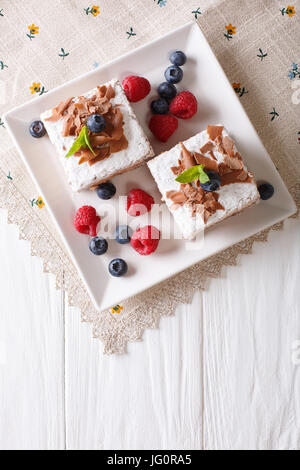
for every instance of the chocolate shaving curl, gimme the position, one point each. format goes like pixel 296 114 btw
pixel 75 115
pixel 231 170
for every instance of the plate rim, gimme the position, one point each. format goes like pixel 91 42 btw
pixel 11 114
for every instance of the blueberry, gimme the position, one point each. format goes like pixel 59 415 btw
pixel 266 191
pixel 173 74
pixel 167 90
pixel 123 234
pixel 98 246
pixel 214 182
pixel 96 123
pixel 178 58
pixel 117 267
pixel 37 129
pixel 106 190
pixel 160 106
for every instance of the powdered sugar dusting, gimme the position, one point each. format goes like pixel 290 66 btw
pixel 83 176
pixel 233 197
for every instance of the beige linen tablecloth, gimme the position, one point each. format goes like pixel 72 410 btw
pixel 44 44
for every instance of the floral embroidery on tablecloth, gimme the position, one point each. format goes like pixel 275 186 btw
pixel 63 54
pixel 295 72
pixel 262 55
pixel 3 65
pixel 37 202
pixel 116 309
pixel 240 90
pixel 1 12
pixel 94 10
pixel 2 123
pixel 33 31
pixel 161 3
pixel 290 11
pixel 37 88
pixel 196 13
pixel 230 31
pixel 9 177
pixel 130 33
pixel 274 114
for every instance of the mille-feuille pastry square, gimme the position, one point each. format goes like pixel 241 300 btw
pixel 229 187
pixel 120 146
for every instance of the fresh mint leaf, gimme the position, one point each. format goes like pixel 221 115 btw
pixel 203 177
pixel 87 140
pixel 78 144
pixel 189 175
pixel 82 141
pixel 192 174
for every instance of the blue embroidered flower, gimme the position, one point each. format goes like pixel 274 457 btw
pixel 295 72
pixel 291 75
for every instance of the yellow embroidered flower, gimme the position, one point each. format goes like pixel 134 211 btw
pixel 35 88
pixel 231 29
pixel 34 29
pixel 239 89
pixel 290 11
pixel 116 309
pixel 95 10
pixel 39 202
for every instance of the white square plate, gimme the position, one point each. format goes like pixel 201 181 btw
pixel 218 103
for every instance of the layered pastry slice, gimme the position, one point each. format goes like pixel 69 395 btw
pixel 118 145
pixel 227 186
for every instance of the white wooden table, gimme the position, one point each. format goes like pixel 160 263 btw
pixel 223 373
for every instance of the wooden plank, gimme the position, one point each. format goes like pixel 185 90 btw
pixel 152 398
pixel 251 321
pixel 148 399
pixel 31 349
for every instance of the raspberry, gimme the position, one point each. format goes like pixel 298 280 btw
pixel 163 126
pixel 86 220
pixel 136 88
pixel 139 202
pixel 145 240
pixel 184 105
